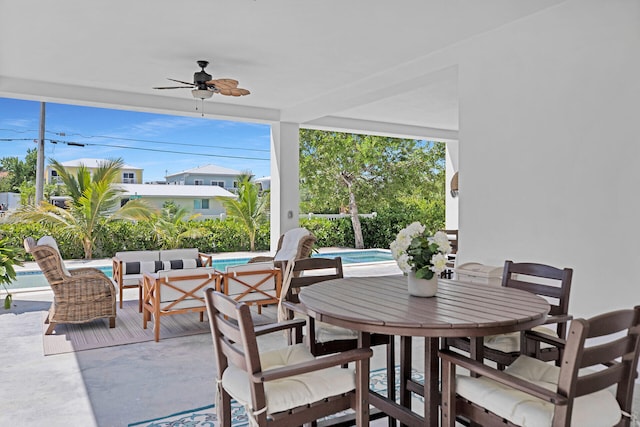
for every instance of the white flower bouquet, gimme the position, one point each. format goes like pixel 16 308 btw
pixel 415 251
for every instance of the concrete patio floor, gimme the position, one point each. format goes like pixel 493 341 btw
pixel 114 386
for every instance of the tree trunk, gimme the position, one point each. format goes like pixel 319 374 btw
pixel 86 245
pixel 355 221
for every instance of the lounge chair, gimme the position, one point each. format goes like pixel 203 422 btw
pixel 79 295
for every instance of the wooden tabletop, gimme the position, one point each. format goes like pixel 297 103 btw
pixel 381 304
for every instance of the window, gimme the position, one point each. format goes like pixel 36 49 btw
pixel 128 178
pixel 201 204
pixel 218 183
pixel 198 182
pixel 55 178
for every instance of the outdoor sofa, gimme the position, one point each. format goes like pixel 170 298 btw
pixel 130 266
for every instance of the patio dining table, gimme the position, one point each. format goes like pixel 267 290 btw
pixel 382 305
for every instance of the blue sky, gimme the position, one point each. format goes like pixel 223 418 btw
pixel 157 143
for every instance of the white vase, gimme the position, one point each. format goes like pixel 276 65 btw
pixel 422 287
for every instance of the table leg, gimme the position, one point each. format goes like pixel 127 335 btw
pixel 405 371
pixel 431 381
pixel 362 383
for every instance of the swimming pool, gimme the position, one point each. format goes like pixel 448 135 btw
pixel 35 279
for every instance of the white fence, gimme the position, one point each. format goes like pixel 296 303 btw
pixel 311 215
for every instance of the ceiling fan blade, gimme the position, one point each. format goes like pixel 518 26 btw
pixel 174 87
pixel 223 83
pixel 180 81
pixel 233 92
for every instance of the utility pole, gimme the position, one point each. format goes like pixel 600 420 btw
pixel 40 159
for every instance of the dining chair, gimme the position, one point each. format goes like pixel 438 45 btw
pixel 80 295
pixel 323 338
pixel 592 387
pixel 553 284
pixel 282 387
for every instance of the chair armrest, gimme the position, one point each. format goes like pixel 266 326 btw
pixel 545 338
pixel 502 377
pixel 338 359
pixel 561 318
pixel 280 326
pixel 206 259
pixel 292 306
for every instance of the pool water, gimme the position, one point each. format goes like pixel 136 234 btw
pixel 35 279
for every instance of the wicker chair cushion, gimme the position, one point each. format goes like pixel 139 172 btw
pixel 592 410
pixel 290 244
pixel 509 343
pixel 51 242
pixel 293 391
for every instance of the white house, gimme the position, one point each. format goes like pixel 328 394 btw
pixel 128 174
pixel 198 199
pixel 208 175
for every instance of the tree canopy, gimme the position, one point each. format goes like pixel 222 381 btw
pixel 19 171
pixel 364 173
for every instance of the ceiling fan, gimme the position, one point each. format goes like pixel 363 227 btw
pixel 204 86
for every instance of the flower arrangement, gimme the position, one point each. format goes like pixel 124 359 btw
pixel 415 251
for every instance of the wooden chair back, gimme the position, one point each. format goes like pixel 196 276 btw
pixel 614 358
pixel 308 271
pixel 554 284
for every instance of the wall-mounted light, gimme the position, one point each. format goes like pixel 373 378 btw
pixel 454 185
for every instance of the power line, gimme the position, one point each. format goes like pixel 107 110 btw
pixel 83 144
pixel 138 140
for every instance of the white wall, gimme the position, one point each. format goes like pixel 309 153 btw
pixel 549 149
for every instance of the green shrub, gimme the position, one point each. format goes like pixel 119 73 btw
pixel 228 236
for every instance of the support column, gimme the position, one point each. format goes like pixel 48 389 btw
pixel 40 158
pixel 285 178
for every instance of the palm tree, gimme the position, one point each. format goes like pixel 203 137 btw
pixel 93 200
pixel 169 226
pixel 248 209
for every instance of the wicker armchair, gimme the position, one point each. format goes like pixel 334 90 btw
pixel 79 295
pixel 294 244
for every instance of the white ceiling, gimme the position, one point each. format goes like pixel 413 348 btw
pixel 373 65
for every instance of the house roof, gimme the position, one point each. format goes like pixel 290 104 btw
pixel 208 170
pixel 92 163
pixel 175 191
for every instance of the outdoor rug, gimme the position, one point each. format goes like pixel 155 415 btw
pixel 206 416
pixel 97 334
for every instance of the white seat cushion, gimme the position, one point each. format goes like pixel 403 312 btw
pixel 593 410
pixel 509 343
pixel 293 391
pixel 326 332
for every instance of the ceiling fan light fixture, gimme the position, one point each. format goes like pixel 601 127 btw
pixel 202 93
